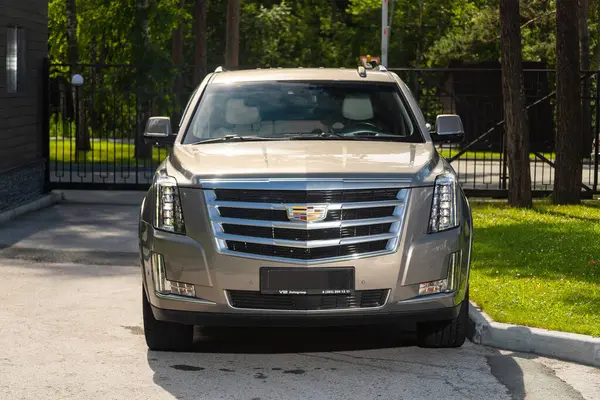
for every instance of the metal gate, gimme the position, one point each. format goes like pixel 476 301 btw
pixel 475 93
pixel 94 130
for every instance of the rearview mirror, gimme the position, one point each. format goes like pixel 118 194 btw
pixel 158 131
pixel 448 129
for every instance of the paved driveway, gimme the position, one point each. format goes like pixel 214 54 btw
pixel 73 331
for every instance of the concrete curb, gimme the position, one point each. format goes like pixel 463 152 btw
pixel 43 202
pixel 581 349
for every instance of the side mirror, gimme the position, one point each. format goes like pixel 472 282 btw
pixel 448 129
pixel 158 131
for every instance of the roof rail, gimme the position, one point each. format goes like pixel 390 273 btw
pixel 362 71
pixel 220 69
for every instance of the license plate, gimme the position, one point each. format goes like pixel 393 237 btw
pixel 306 281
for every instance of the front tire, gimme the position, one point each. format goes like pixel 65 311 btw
pixel 445 334
pixel 163 335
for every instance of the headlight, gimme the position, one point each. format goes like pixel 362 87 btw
pixel 168 215
pixel 444 208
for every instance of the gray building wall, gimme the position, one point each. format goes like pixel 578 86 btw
pixel 21 113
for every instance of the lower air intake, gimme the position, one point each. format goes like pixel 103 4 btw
pixel 258 301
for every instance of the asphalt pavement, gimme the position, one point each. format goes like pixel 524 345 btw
pixel 73 330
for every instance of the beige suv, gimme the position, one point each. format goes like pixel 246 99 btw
pixel 304 197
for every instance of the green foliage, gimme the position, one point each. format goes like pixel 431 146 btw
pixel 309 33
pixel 473 36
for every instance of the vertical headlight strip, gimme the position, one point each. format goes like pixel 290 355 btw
pixel 444 205
pixel 168 215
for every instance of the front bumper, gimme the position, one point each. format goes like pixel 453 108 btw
pixel 194 259
pixel 303 320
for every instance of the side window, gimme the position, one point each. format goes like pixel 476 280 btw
pixel 15 59
pixel 187 107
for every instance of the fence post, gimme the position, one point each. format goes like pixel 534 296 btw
pixel 504 173
pixel 45 123
pixel 596 142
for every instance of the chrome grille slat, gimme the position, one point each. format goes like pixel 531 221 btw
pixel 349 230
pixel 305 244
pixel 295 225
pixel 283 206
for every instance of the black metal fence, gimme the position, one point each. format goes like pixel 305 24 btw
pixel 94 130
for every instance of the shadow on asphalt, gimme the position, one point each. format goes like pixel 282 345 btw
pixel 229 347
pixel 300 340
pixel 73 233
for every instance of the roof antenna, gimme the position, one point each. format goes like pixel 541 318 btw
pixel 220 69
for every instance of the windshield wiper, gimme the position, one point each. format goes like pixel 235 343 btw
pixel 235 138
pixel 314 135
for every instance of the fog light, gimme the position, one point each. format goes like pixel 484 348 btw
pixel 433 287
pixel 164 286
pixel 183 289
pixel 450 284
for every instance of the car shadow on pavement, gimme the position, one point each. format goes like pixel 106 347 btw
pixel 225 360
pixel 299 340
pixel 73 233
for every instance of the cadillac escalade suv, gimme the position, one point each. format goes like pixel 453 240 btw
pixel 304 197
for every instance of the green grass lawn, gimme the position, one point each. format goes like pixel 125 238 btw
pixel 480 155
pixel 103 152
pixel 540 267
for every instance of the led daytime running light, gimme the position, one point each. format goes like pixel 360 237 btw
pixel 169 214
pixel 443 208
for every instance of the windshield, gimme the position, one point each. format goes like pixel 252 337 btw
pixel 358 111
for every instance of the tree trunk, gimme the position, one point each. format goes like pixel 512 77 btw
pixel 568 166
pixel 82 140
pixel 515 114
pixel 141 45
pixel 72 50
pixel 232 41
pixel 584 38
pixel 597 7
pixel 177 59
pixel 200 41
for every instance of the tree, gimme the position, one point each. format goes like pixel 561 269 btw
pixel 199 41
pixel 515 115
pixel 82 140
pixel 177 60
pixel 142 59
pixel 584 39
pixel 568 166
pixel 232 40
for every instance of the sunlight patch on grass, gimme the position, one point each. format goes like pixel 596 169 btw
pixel 539 267
pixel 103 152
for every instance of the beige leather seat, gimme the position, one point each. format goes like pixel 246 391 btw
pixel 239 119
pixel 357 107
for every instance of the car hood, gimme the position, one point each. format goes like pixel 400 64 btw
pixel 304 158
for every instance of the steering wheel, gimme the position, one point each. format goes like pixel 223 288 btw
pixel 361 128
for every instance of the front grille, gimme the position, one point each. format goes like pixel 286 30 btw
pixel 305 196
pixel 315 253
pixel 305 235
pixel 281 215
pixel 262 224
pixel 259 301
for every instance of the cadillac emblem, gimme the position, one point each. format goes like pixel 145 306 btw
pixel 314 213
